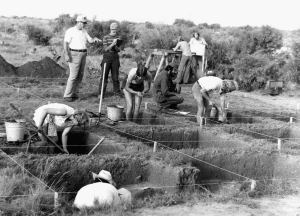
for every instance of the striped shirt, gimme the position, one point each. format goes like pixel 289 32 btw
pixel 108 40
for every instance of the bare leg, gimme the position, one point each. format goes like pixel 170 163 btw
pixel 200 103
pixel 137 105
pixel 129 104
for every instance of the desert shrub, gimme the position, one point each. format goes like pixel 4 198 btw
pixel 183 22
pixel 38 35
pixel 249 70
pixel 64 21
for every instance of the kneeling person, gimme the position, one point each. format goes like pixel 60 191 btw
pixel 58 116
pixel 210 84
pixel 102 193
pixel 161 89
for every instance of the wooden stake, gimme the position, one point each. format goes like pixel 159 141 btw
pixel 102 88
pixel 279 144
pixel 253 185
pixel 56 203
pixel 160 65
pixel 154 146
pixel 291 120
pixel 100 141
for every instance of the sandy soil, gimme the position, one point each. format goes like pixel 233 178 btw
pixel 288 206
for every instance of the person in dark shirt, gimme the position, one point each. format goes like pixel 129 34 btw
pixel 161 91
pixel 111 48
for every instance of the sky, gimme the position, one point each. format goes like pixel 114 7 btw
pixel 284 15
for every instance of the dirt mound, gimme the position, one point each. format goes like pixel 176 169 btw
pixel 7 69
pixel 45 68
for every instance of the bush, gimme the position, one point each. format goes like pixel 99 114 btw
pixel 64 21
pixel 38 35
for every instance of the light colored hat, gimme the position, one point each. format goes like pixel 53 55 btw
pixel 114 25
pixel 103 174
pixel 210 73
pixel 81 18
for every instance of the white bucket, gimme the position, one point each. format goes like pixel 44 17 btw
pixel 115 112
pixel 14 131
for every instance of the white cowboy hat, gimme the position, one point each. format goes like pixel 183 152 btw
pixel 81 18
pixel 103 174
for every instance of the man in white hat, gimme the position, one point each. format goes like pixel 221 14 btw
pixel 111 48
pixel 102 193
pixel 75 41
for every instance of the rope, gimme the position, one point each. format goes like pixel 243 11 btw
pixel 177 152
pixel 43 183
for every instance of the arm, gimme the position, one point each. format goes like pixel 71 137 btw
pixel 147 83
pixel 108 47
pixel 67 52
pixel 206 96
pixel 92 40
pixel 64 138
pixel 177 47
pixel 164 86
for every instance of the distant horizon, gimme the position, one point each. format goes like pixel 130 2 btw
pixel 282 15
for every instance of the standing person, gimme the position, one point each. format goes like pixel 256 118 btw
pixel 60 117
pixel 198 45
pixel 161 89
pixel 137 84
pixel 111 47
pixel 184 66
pixel 202 90
pixel 75 50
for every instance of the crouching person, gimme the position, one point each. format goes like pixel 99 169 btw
pixel 161 90
pixel 137 84
pixel 202 90
pixel 56 116
pixel 102 193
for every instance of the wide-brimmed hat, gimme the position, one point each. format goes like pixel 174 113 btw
pixel 81 18
pixel 103 174
pixel 210 73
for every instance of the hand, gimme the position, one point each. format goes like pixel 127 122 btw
pixel 212 103
pixel 68 58
pixel 140 94
pixel 66 151
pixel 40 130
pixel 114 42
pixel 97 40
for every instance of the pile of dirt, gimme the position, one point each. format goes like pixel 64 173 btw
pixel 45 68
pixel 7 69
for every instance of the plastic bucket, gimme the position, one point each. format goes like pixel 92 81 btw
pixel 115 112
pixel 14 131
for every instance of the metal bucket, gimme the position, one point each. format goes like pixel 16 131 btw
pixel 14 131
pixel 115 112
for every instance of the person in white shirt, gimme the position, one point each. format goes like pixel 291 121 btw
pixel 75 50
pixel 205 87
pixel 184 66
pixel 137 84
pixel 60 117
pixel 101 194
pixel 198 45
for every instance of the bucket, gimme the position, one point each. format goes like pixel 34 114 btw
pixel 213 112
pixel 115 112
pixel 14 131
